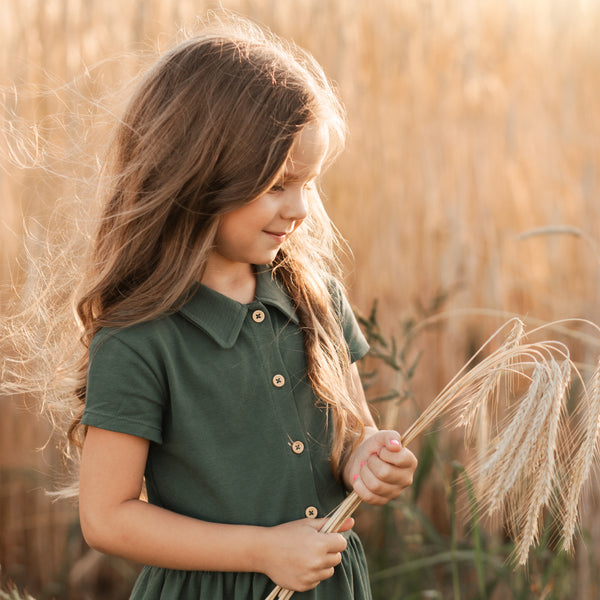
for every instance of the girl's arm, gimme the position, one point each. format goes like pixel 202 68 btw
pixel 114 520
pixel 379 468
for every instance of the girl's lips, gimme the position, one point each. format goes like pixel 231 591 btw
pixel 280 237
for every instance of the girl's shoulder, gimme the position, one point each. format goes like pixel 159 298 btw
pixel 143 338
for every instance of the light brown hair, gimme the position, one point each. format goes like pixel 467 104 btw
pixel 208 129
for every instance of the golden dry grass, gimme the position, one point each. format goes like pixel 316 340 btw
pixel 471 123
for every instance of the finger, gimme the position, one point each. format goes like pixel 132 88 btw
pixel 376 469
pixel 387 485
pixel 315 523
pixel 347 524
pixel 392 444
pixel 333 559
pixel 336 543
pixel 309 582
pixel 381 439
pixel 329 564
pixel 398 469
pixel 323 571
pixel 319 523
pixel 367 495
pixel 325 574
pixel 401 457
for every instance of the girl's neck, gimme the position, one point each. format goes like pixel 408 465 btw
pixel 237 284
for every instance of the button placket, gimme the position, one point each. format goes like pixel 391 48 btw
pixel 258 316
pixel 284 403
pixel 298 448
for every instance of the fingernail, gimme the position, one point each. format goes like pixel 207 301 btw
pixel 355 477
pixel 394 443
pixel 362 463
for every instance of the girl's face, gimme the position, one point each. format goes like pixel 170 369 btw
pixel 253 233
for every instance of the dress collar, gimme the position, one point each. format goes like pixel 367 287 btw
pixel 222 317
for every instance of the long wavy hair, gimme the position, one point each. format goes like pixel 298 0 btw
pixel 209 128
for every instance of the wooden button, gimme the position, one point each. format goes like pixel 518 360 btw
pixel 278 380
pixel 297 447
pixel 258 316
pixel 311 512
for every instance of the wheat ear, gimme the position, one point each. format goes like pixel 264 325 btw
pixel 581 465
pixel 545 475
pixel 498 473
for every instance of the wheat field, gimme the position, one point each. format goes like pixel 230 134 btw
pixel 472 172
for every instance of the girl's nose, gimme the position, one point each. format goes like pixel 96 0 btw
pixel 296 205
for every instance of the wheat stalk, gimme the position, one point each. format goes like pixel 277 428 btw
pixel 524 462
pixel 491 385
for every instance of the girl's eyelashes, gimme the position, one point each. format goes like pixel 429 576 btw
pixel 280 187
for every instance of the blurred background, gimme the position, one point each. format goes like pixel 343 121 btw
pixel 468 192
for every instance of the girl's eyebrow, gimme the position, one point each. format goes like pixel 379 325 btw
pixel 294 176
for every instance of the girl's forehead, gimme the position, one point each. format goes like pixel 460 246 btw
pixel 308 152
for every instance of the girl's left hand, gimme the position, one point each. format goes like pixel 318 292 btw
pixel 380 467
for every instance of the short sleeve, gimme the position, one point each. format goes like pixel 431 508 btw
pixel 357 343
pixel 124 391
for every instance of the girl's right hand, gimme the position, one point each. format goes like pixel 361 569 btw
pixel 298 557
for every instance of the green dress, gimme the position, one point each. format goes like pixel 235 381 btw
pixel 236 435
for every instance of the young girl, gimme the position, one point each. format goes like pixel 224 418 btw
pixel 221 368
